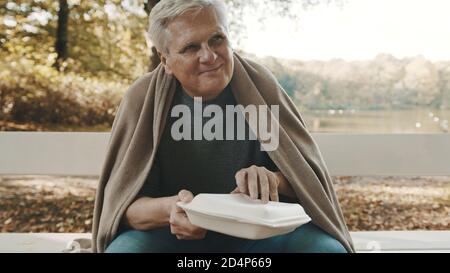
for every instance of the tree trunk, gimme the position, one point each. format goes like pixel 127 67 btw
pixel 154 59
pixel 61 33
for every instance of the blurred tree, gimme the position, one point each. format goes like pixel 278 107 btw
pixel 154 59
pixel 289 83
pixel 88 37
pixel 61 33
pixel 26 30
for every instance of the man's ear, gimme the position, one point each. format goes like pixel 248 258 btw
pixel 163 58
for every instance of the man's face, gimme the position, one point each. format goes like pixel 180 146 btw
pixel 199 56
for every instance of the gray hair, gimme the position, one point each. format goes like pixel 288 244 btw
pixel 167 10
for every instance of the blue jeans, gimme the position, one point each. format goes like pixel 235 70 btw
pixel 307 238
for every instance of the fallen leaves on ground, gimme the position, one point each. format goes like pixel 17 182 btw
pixel 31 204
pixel 395 203
pixel 65 204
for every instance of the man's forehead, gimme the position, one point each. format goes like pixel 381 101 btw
pixel 192 35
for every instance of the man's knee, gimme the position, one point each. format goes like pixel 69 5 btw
pixel 312 239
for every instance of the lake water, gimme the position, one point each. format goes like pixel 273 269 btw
pixel 393 121
pixel 344 121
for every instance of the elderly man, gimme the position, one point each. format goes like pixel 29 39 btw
pixel 149 168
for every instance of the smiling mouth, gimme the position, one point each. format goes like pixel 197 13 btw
pixel 212 70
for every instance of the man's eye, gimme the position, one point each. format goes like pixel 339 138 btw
pixel 217 39
pixel 190 48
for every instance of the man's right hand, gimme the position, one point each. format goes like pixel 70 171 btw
pixel 180 225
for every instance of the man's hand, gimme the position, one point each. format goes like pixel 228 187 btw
pixel 257 181
pixel 180 225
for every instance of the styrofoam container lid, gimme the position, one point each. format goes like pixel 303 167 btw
pixel 241 207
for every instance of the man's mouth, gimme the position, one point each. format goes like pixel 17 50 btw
pixel 212 70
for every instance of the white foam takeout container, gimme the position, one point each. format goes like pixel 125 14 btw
pixel 240 216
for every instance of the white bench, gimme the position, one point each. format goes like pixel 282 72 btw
pixel 345 154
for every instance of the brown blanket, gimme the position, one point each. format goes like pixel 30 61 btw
pixel 140 121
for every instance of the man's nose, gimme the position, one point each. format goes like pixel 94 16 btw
pixel 207 55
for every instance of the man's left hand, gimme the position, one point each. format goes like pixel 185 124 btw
pixel 257 182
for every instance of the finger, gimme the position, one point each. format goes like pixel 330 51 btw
pixel 263 185
pixel 178 231
pixel 180 225
pixel 252 182
pixel 191 237
pixel 181 232
pixel 183 221
pixel 200 233
pixel 192 230
pixel 184 225
pixel 188 230
pixel 185 196
pixel 173 218
pixel 173 229
pixel 178 218
pixel 195 233
pixel 273 187
pixel 236 190
pixel 241 181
